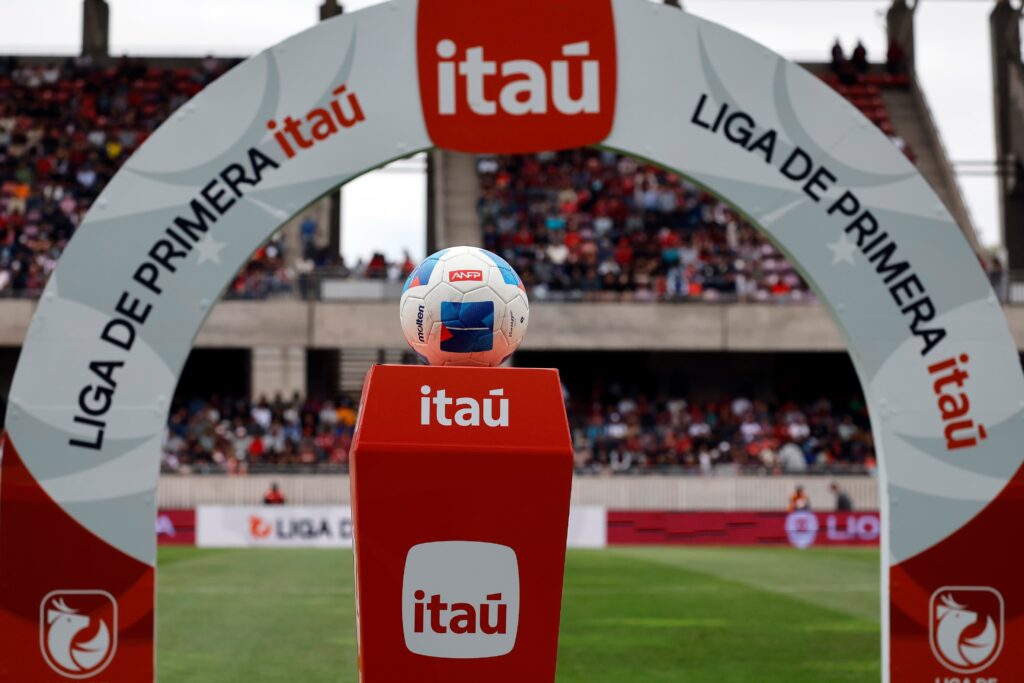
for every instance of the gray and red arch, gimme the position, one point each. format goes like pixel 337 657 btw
pixel 117 319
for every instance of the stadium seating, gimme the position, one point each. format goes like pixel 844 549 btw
pixel 581 224
pixel 593 225
pixel 637 432
pixel 65 129
pixel 612 431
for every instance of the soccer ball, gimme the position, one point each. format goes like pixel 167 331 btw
pixel 464 306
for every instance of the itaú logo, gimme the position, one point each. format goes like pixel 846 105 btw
pixel 460 599
pixel 523 86
pixel 463 411
pixel 490 617
pixel 542 76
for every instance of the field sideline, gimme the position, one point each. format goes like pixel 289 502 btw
pixel 693 615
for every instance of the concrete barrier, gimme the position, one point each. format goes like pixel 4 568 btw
pixel 622 493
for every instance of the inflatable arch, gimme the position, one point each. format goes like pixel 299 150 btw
pixel 117 319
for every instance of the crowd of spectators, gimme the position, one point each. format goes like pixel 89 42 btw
pixel 235 435
pixel 265 275
pixel 594 224
pixel 613 432
pixel 581 224
pixel 65 129
pixel 616 431
pixel 851 69
pixel 377 267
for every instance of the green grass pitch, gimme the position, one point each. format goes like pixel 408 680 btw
pixel 693 615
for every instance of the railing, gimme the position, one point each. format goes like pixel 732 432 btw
pixel 330 286
pixel 334 286
pixel 724 470
pixel 337 286
pixel 623 493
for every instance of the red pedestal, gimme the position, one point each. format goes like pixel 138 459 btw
pixel 460 493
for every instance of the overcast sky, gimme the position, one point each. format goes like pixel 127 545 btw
pixel 952 45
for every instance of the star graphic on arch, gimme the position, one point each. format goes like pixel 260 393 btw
pixel 209 249
pixel 843 251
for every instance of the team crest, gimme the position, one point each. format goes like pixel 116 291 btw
pixel 78 632
pixel 966 627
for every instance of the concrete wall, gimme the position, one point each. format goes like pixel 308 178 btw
pixel 665 327
pixel 278 322
pixel 15 315
pixel 627 492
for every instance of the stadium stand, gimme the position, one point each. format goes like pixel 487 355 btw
pixel 637 433
pixel 65 129
pixel 594 225
pixel 581 224
pixel 600 228
pixel 613 432
pixel 234 435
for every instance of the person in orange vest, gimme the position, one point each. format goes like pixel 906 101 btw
pixel 273 496
pixel 799 500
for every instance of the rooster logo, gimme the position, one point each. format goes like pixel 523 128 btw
pixel 965 637
pixel 75 632
pixel 258 528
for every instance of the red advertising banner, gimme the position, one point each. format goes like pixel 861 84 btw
pixel 176 527
pixel 801 529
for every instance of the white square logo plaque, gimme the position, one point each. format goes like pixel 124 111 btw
pixel 460 600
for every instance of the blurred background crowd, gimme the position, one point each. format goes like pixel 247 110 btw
pixel 613 431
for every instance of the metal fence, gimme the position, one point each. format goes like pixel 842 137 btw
pixel 592 470
pixel 626 493
pixel 331 285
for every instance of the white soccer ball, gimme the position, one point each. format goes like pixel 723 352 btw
pixel 464 306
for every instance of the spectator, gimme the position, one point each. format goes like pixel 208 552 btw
pixel 377 268
pixel 273 496
pixel 843 501
pixel 307 233
pixel 838 56
pixel 799 500
pixel 860 58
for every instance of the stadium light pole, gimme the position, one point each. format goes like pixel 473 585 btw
pixel 95 28
pixel 899 21
pixel 1004 25
pixel 332 8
